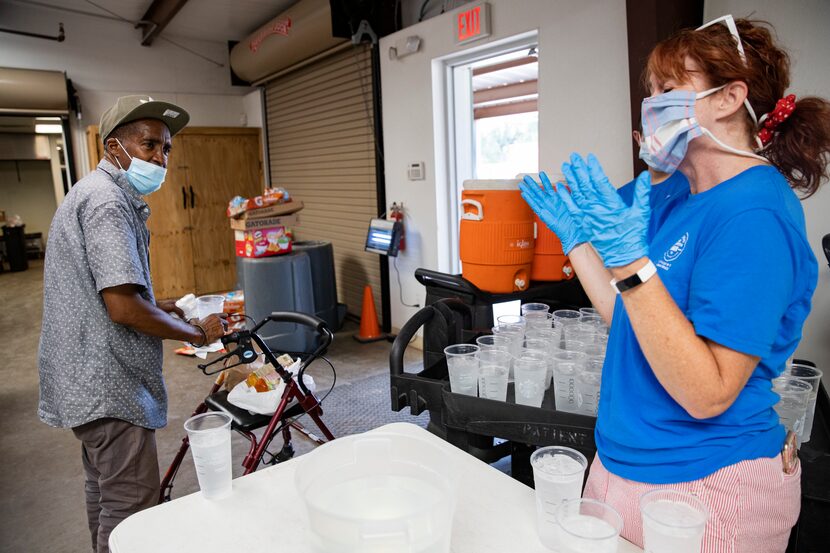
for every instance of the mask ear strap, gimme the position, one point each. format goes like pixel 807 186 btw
pixel 125 151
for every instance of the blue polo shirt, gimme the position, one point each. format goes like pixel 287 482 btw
pixel 736 261
pixel 663 198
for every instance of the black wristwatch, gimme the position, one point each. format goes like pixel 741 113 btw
pixel 648 271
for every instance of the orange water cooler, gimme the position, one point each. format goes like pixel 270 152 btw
pixel 496 236
pixel 549 261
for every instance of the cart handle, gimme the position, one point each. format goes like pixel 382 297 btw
pixel 405 336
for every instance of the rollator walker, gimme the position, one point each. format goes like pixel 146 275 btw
pixel 245 423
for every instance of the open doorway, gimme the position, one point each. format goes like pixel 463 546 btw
pixel 492 122
pixel 34 176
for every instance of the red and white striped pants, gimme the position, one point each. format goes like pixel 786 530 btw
pixel 753 505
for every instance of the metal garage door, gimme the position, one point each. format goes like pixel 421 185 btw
pixel 321 149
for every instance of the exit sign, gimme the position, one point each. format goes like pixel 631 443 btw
pixel 472 23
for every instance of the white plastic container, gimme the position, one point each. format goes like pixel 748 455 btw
pixel 378 492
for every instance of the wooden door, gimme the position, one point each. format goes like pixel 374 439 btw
pixel 221 164
pixel 171 256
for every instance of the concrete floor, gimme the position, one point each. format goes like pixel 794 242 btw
pixel 42 502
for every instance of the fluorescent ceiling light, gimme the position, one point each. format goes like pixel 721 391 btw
pixel 47 118
pixel 48 129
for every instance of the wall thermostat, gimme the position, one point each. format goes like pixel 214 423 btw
pixel 415 171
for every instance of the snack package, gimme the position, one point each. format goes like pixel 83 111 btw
pixel 263 242
pixel 239 205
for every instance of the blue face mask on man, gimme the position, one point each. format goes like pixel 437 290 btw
pixel 669 124
pixel 145 177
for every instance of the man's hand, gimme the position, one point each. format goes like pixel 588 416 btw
pixel 126 306
pixel 169 306
pixel 214 327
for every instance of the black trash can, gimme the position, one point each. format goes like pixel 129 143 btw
pixel 15 240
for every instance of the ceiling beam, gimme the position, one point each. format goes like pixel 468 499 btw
pixel 156 18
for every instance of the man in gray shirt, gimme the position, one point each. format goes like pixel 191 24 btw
pixel 100 355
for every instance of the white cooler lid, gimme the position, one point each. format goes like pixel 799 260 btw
pixel 491 184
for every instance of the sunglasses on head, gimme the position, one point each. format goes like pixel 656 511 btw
pixel 729 21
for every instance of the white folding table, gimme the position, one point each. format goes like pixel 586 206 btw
pixel 265 514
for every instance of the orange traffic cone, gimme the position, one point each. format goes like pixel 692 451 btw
pixel 369 327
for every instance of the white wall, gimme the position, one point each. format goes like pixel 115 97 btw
pixel 105 60
pixel 583 106
pixel 802 28
pixel 26 190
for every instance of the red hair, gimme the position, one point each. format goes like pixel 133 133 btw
pixel 801 146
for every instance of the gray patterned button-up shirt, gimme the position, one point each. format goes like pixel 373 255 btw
pixel 91 367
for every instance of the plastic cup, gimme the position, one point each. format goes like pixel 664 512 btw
pixel 558 473
pixel 533 308
pixel 494 368
pixel 567 365
pixel 566 317
pixel 579 332
pixel 542 321
pixel 491 341
pixel 588 386
pixel 594 351
pixel 515 335
pixel 531 370
pixel 792 407
pixel 812 376
pixel 673 521
pixel 592 319
pixel 543 347
pixel 506 320
pixel 209 435
pixel 588 311
pixel 587 525
pixel 378 492
pixel 549 335
pixel 462 365
pixel 208 305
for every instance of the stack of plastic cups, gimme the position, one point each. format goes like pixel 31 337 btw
pixel 794 395
pixel 811 376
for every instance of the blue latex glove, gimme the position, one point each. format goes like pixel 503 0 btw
pixel 556 209
pixel 617 231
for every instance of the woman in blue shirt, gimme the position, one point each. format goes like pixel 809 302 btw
pixel 704 314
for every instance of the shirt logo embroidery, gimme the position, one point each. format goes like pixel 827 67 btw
pixel 673 253
pixel 677 249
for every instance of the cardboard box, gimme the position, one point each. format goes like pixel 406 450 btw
pixel 263 242
pixel 288 221
pixel 275 210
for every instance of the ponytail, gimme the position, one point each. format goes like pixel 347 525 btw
pixel 800 148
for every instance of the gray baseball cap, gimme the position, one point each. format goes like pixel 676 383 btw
pixel 132 108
